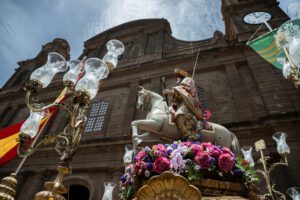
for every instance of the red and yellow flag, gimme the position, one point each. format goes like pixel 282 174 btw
pixel 9 135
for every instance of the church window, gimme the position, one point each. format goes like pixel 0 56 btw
pixel 96 117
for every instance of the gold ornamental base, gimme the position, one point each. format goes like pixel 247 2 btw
pixel 8 187
pixel 55 188
pixel 170 186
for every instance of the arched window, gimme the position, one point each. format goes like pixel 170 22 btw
pixel 77 192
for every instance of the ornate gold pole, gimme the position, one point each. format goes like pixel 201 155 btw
pixel 8 187
pixel 261 146
pixel 8 184
pixel 54 189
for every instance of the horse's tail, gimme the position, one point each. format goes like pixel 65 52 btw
pixel 235 145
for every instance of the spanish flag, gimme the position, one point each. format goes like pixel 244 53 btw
pixel 9 135
pixel 265 46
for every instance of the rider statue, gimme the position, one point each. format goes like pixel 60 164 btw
pixel 186 109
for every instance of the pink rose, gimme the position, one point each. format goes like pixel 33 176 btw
pixel 129 169
pixel 161 164
pixel 158 150
pixel 140 167
pixel 227 150
pixel 186 144
pixel 196 148
pixel 226 162
pixel 141 155
pixel 205 144
pixel 214 151
pixel 203 159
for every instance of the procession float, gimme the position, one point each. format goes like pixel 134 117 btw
pixel 196 159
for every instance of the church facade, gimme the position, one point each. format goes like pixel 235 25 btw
pixel 244 93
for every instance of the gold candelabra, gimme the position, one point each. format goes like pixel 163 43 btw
pixel 260 146
pixel 283 150
pixel 81 84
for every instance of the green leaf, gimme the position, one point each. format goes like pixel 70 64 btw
pixel 129 192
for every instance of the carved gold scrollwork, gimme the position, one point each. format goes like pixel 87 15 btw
pixel 168 186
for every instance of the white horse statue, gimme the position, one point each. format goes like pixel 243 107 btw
pixel 158 123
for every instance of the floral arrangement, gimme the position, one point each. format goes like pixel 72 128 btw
pixel 192 160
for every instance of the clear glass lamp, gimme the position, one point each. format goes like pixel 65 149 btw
pixel 95 70
pixel 293 192
pixel 44 75
pixel 294 50
pixel 71 76
pixel 282 146
pixel 31 126
pixel 128 155
pixel 247 152
pixel 109 187
pixel 287 70
pixel 114 48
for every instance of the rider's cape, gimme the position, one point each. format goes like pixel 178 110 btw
pixel 189 94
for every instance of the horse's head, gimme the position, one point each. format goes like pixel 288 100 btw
pixel 142 94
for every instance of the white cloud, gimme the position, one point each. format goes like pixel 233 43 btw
pixel 294 9
pixel 26 25
pixel 185 17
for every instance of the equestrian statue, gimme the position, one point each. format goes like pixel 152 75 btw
pixel 183 120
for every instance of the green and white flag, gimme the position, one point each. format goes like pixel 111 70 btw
pixel 265 46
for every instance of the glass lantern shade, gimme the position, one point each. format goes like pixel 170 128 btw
pixel 114 48
pixel 294 50
pixel 74 70
pixel 293 192
pixel 247 152
pixel 287 70
pixel 32 123
pixel 280 139
pixel 128 155
pixel 95 70
pixel 44 75
pixel 109 187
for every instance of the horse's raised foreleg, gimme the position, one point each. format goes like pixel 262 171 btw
pixel 146 125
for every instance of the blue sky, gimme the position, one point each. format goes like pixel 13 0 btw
pixel 25 25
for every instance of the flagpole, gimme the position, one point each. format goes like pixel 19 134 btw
pixel 268 26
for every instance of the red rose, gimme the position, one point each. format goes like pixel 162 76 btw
pixel 205 144
pixel 140 167
pixel 196 148
pixel 226 162
pixel 214 151
pixel 203 159
pixel 227 150
pixel 161 164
